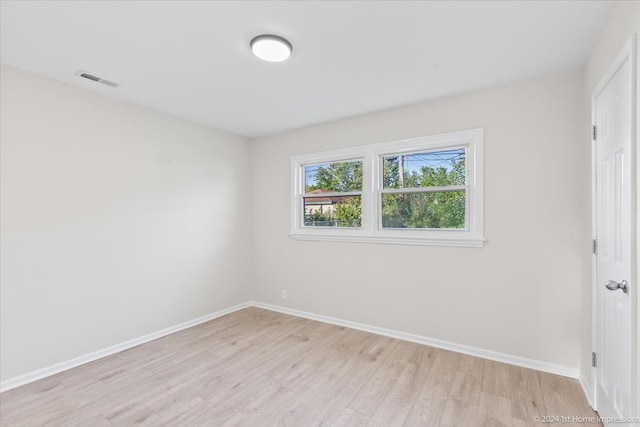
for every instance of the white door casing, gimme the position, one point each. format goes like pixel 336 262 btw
pixel 613 104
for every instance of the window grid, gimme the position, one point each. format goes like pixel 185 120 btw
pixel 466 145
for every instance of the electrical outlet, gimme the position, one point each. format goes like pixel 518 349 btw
pixel 283 294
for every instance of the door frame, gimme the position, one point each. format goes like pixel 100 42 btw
pixel 627 53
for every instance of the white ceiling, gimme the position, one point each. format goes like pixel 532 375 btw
pixel 192 58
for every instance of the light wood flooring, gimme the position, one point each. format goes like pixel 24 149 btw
pixel 260 368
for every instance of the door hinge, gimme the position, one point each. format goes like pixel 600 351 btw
pixel 593 359
pixel 594 247
pixel 594 132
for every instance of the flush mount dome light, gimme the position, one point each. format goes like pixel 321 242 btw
pixel 271 48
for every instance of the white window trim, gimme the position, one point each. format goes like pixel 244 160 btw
pixel 371 231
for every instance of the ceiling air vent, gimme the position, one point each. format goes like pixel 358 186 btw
pixel 95 78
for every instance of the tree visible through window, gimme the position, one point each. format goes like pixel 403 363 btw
pixel 333 194
pixel 424 190
pixel 427 190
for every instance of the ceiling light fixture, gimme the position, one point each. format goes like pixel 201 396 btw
pixel 271 48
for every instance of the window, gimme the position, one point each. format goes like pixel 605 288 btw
pixel 426 191
pixel 333 194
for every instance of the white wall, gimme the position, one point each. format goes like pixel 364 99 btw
pixel 622 22
pixel 116 222
pixel 519 295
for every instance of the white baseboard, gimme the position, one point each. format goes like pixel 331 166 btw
pixel 460 348
pixel 551 368
pixel 81 360
pixel 586 389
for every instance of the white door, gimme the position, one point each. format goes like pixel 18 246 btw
pixel 614 287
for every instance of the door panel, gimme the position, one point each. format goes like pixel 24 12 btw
pixel 613 108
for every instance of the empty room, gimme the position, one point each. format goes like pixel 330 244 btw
pixel 319 213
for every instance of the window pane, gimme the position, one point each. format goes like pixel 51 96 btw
pixel 428 169
pixel 424 210
pixel 339 176
pixel 333 211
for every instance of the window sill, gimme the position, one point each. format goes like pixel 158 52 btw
pixel 388 240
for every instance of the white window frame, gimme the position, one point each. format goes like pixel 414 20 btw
pixel 371 230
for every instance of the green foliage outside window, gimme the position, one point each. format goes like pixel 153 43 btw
pixel 338 177
pixel 442 209
pixel 439 209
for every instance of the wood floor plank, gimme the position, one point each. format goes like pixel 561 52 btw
pixel 336 386
pixel 467 381
pixel 563 397
pixel 464 397
pixel 42 414
pixel 23 399
pixel 226 405
pixel 266 409
pixel 259 367
pixel 458 413
pixel 376 389
pixel 515 422
pixel 80 419
pixel 395 407
pixel 179 410
pixel 430 404
pixel 496 379
pixel 526 395
pixel 139 416
pixel 494 411
pixel 351 418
